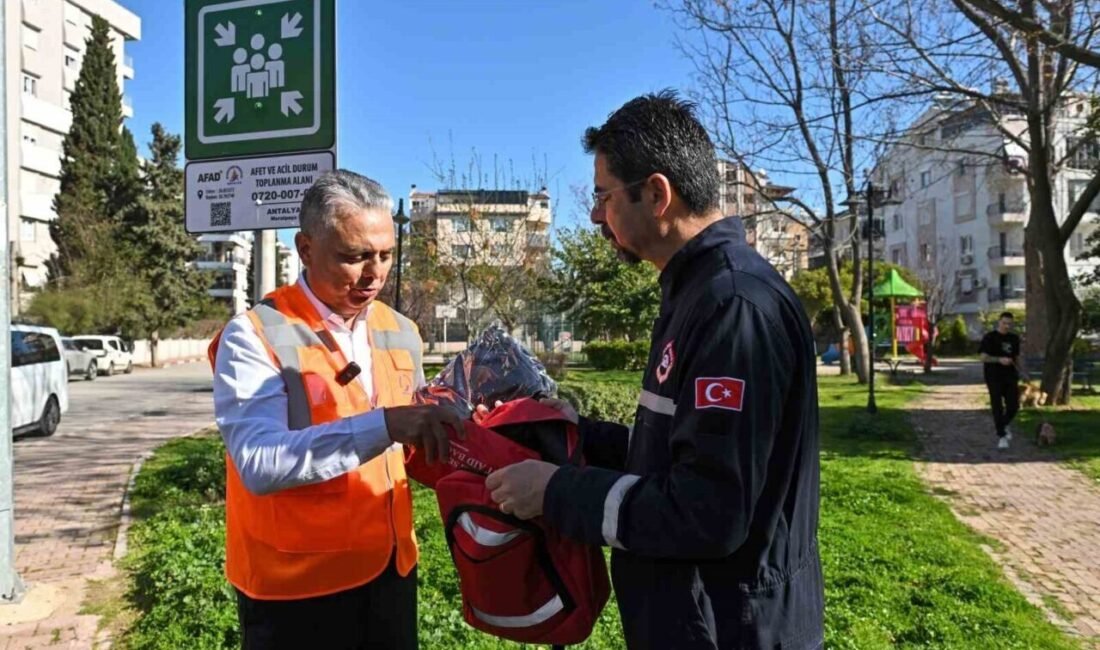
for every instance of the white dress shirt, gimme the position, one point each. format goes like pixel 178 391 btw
pixel 250 408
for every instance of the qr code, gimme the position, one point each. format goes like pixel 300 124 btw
pixel 220 213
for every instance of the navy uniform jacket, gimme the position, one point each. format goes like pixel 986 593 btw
pixel 711 499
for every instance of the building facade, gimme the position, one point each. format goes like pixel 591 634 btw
pixel 289 264
pixel 44 48
pixel 501 229
pixel 773 231
pixel 226 257
pixel 965 204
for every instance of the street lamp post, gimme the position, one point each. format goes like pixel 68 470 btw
pixel 871 406
pixel 400 219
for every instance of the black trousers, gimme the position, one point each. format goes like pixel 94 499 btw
pixel 1004 394
pixel 379 614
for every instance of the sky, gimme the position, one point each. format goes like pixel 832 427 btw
pixel 418 80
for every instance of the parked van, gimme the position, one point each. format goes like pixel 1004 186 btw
pixel 112 353
pixel 39 380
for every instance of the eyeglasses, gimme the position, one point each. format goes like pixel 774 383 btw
pixel 600 197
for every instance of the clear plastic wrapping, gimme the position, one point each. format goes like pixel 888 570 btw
pixel 495 367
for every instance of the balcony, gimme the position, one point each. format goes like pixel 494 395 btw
pixel 1006 215
pixel 75 35
pixel 128 66
pixel 539 241
pixel 1006 295
pixel 33 13
pixel 33 61
pixel 127 106
pixel 1006 256
pixel 69 77
pixel 40 159
pixel 36 206
pixel 44 114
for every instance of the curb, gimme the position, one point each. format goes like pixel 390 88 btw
pixel 125 517
pixel 173 362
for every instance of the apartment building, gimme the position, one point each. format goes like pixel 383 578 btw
pixel 962 215
pixel 289 264
pixel 44 46
pixel 498 228
pixel 226 256
pixel 769 228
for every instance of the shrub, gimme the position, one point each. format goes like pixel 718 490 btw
pixel 613 402
pixel 617 355
pixel 954 336
pixel 554 362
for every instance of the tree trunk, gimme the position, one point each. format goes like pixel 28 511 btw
pixel 849 313
pixel 1053 311
pixel 154 340
pixel 845 358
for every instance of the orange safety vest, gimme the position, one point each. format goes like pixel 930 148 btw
pixel 326 537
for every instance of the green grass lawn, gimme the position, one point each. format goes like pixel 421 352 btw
pixel 1078 431
pixel 900 570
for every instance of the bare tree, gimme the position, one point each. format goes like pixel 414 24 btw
pixel 785 87
pixel 1041 100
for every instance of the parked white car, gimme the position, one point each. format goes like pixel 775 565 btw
pixel 39 380
pixel 80 361
pixel 113 355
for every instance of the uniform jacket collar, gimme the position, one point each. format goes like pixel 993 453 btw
pixel 729 230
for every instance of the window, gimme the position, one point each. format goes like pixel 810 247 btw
pixel 960 170
pixel 26 229
pixel 461 250
pixel 925 179
pixel 30 85
pixel 71 61
pixel 33 347
pixel 30 37
pixel 925 252
pixel 501 252
pixel 544 204
pixel 501 224
pixel 1074 189
pixel 1077 244
pixel 895 256
pixel 897 221
pixel 1083 153
pixel 30 138
pixel 967 284
pixel 461 224
pixel 966 245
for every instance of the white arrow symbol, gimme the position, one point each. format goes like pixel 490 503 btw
pixel 290 25
pixel 289 102
pixel 226 35
pixel 226 107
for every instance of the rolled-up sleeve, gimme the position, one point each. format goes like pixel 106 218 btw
pixel 250 408
pixel 727 410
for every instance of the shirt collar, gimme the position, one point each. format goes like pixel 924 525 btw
pixel 323 310
pixel 728 229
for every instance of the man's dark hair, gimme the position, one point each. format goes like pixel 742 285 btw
pixel 1008 315
pixel 659 134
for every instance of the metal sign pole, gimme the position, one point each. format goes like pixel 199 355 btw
pixel 11 587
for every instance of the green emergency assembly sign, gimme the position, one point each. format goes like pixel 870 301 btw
pixel 260 77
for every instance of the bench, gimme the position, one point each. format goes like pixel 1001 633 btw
pixel 1082 372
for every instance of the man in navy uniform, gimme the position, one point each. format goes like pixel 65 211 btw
pixel 710 500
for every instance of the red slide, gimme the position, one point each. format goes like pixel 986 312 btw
pixel 916 348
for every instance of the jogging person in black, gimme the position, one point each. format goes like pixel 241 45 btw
pixel 1001 364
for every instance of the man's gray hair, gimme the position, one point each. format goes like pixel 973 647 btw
pixel 336 191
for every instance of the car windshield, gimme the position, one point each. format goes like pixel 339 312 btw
pixel 69 345
pixel 91 344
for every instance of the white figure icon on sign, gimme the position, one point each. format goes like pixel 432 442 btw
pixel 258 75
pixel 275 68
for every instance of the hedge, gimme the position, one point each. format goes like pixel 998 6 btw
pixel 617 355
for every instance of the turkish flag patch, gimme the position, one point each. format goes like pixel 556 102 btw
pixel 719 393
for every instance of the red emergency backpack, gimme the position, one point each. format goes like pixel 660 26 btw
pixel 520 580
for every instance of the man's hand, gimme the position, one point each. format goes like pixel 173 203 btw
pixel 563 406
pixel 520 488
pixel 1006 361
pixel 424 427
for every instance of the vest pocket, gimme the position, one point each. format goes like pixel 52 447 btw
pixel 312 518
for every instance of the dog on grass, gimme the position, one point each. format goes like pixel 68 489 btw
pixel 1044 434
pixel 1031 395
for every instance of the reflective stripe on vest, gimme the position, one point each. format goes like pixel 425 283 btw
pixel 331 536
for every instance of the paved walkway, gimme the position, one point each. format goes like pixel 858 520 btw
pixel 1046 516
pixel 69 491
